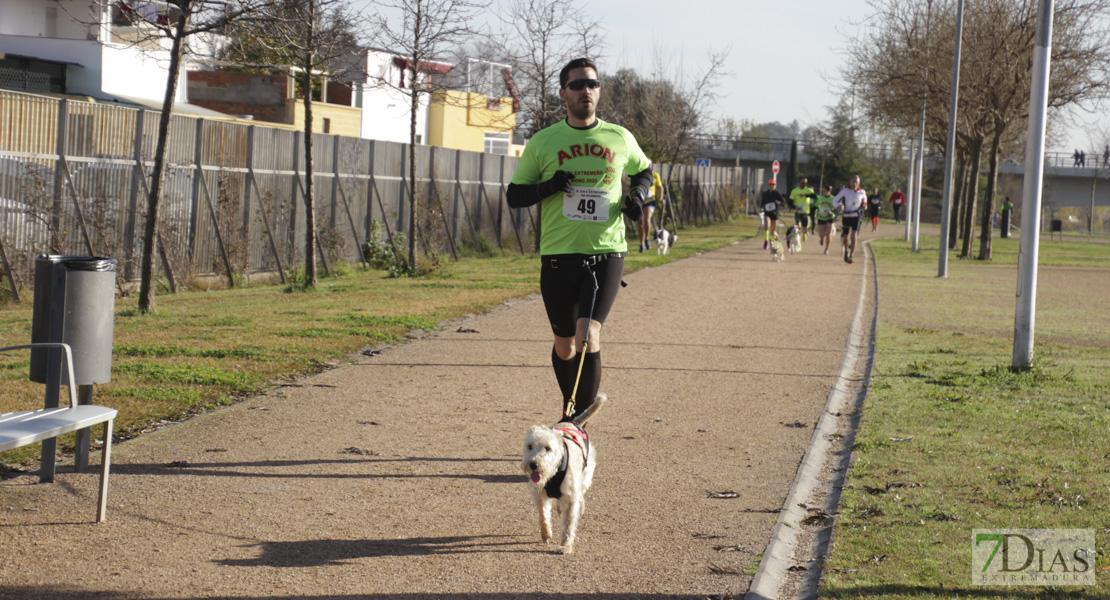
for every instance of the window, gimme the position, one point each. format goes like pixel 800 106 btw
pixel 496 142
pixel 51 22
pixel 327 125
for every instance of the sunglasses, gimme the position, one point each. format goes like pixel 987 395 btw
pixel 578 84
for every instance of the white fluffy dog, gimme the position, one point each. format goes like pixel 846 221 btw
pixel 794 239
pixel 559 460
pixel 664 240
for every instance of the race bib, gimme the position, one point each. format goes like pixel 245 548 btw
pixel 825 211
pixel 586 204
pixel 770 207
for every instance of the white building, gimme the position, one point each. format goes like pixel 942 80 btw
pixel 85 47
pixel 381 81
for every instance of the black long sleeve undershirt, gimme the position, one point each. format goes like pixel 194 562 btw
pixel 524 195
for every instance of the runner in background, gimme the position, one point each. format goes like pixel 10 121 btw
pixel 654 198
pixel 874 203
pixel 770 202
pixel 801 197
pixel 897 201
pixel 851 202
pixel 826 215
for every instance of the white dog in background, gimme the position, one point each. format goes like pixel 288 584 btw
pixel 559 461
pixel 664 241
pixel 794 239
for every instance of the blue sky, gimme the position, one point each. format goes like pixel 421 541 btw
pixel 784 60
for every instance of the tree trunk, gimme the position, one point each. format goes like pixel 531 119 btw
pixel 150 229
pixel 310 277
pixel 972 196
pixel 986 223
pixel 957 200
pixel 415 99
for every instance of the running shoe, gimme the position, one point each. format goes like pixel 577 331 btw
pixel 764 244
pixel 647 245
pixel 826 250
pixel 641 247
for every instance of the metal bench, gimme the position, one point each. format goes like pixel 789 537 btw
pixel 29 426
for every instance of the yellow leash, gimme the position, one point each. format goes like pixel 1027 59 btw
pixel 569 411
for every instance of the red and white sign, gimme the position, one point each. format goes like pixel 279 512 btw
pixel 775 167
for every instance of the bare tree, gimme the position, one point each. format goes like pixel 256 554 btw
pixel 301 39
pixel 998 46
pixel 424 31
pixel 539 37
pixel 184 21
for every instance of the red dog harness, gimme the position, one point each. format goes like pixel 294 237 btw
pixel 582 440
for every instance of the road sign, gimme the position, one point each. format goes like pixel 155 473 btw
pixel 703 162
pixel 775 167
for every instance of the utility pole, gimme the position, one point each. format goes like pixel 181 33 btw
pixel 1026 307
pixel 921 134
pixel 909 188
pixel 950 147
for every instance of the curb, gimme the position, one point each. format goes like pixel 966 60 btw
pixel 845 399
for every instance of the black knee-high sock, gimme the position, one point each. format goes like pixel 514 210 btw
pixel 564 373
pixel 589 383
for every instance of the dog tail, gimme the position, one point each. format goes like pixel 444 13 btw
pixel 591 410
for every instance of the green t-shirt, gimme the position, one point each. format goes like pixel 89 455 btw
pixel 826 208
pixel 800 197
pixel 588 221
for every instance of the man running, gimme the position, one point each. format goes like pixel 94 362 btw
pixel 771 201
pixel 655 195
pixel 850 202
pixel 874 203
pixel 826 216
pixel 573 168
pixel 801 197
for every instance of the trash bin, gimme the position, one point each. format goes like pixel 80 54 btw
pixel 74 303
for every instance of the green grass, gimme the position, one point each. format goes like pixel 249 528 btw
pixel 953 440
pixel 201 350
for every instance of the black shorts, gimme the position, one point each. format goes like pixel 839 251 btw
pixel 773 215
pixel 567 288
pixel 850 224
pixel 801 218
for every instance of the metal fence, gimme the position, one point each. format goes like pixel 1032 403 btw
pixel 74 178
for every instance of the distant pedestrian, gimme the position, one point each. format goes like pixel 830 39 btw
pixel 1007 216
pixel 1082 158
pixel 1075 158
pixel 897 201
pixel 1106 156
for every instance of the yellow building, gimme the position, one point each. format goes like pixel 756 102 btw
pixel 471 121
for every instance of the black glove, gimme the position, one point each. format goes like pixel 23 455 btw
pixel 559 182
pixel 633 205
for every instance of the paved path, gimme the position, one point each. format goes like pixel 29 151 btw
pixel 397 476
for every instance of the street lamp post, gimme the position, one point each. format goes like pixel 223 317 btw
pixel 950 148
pixel 1026 306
